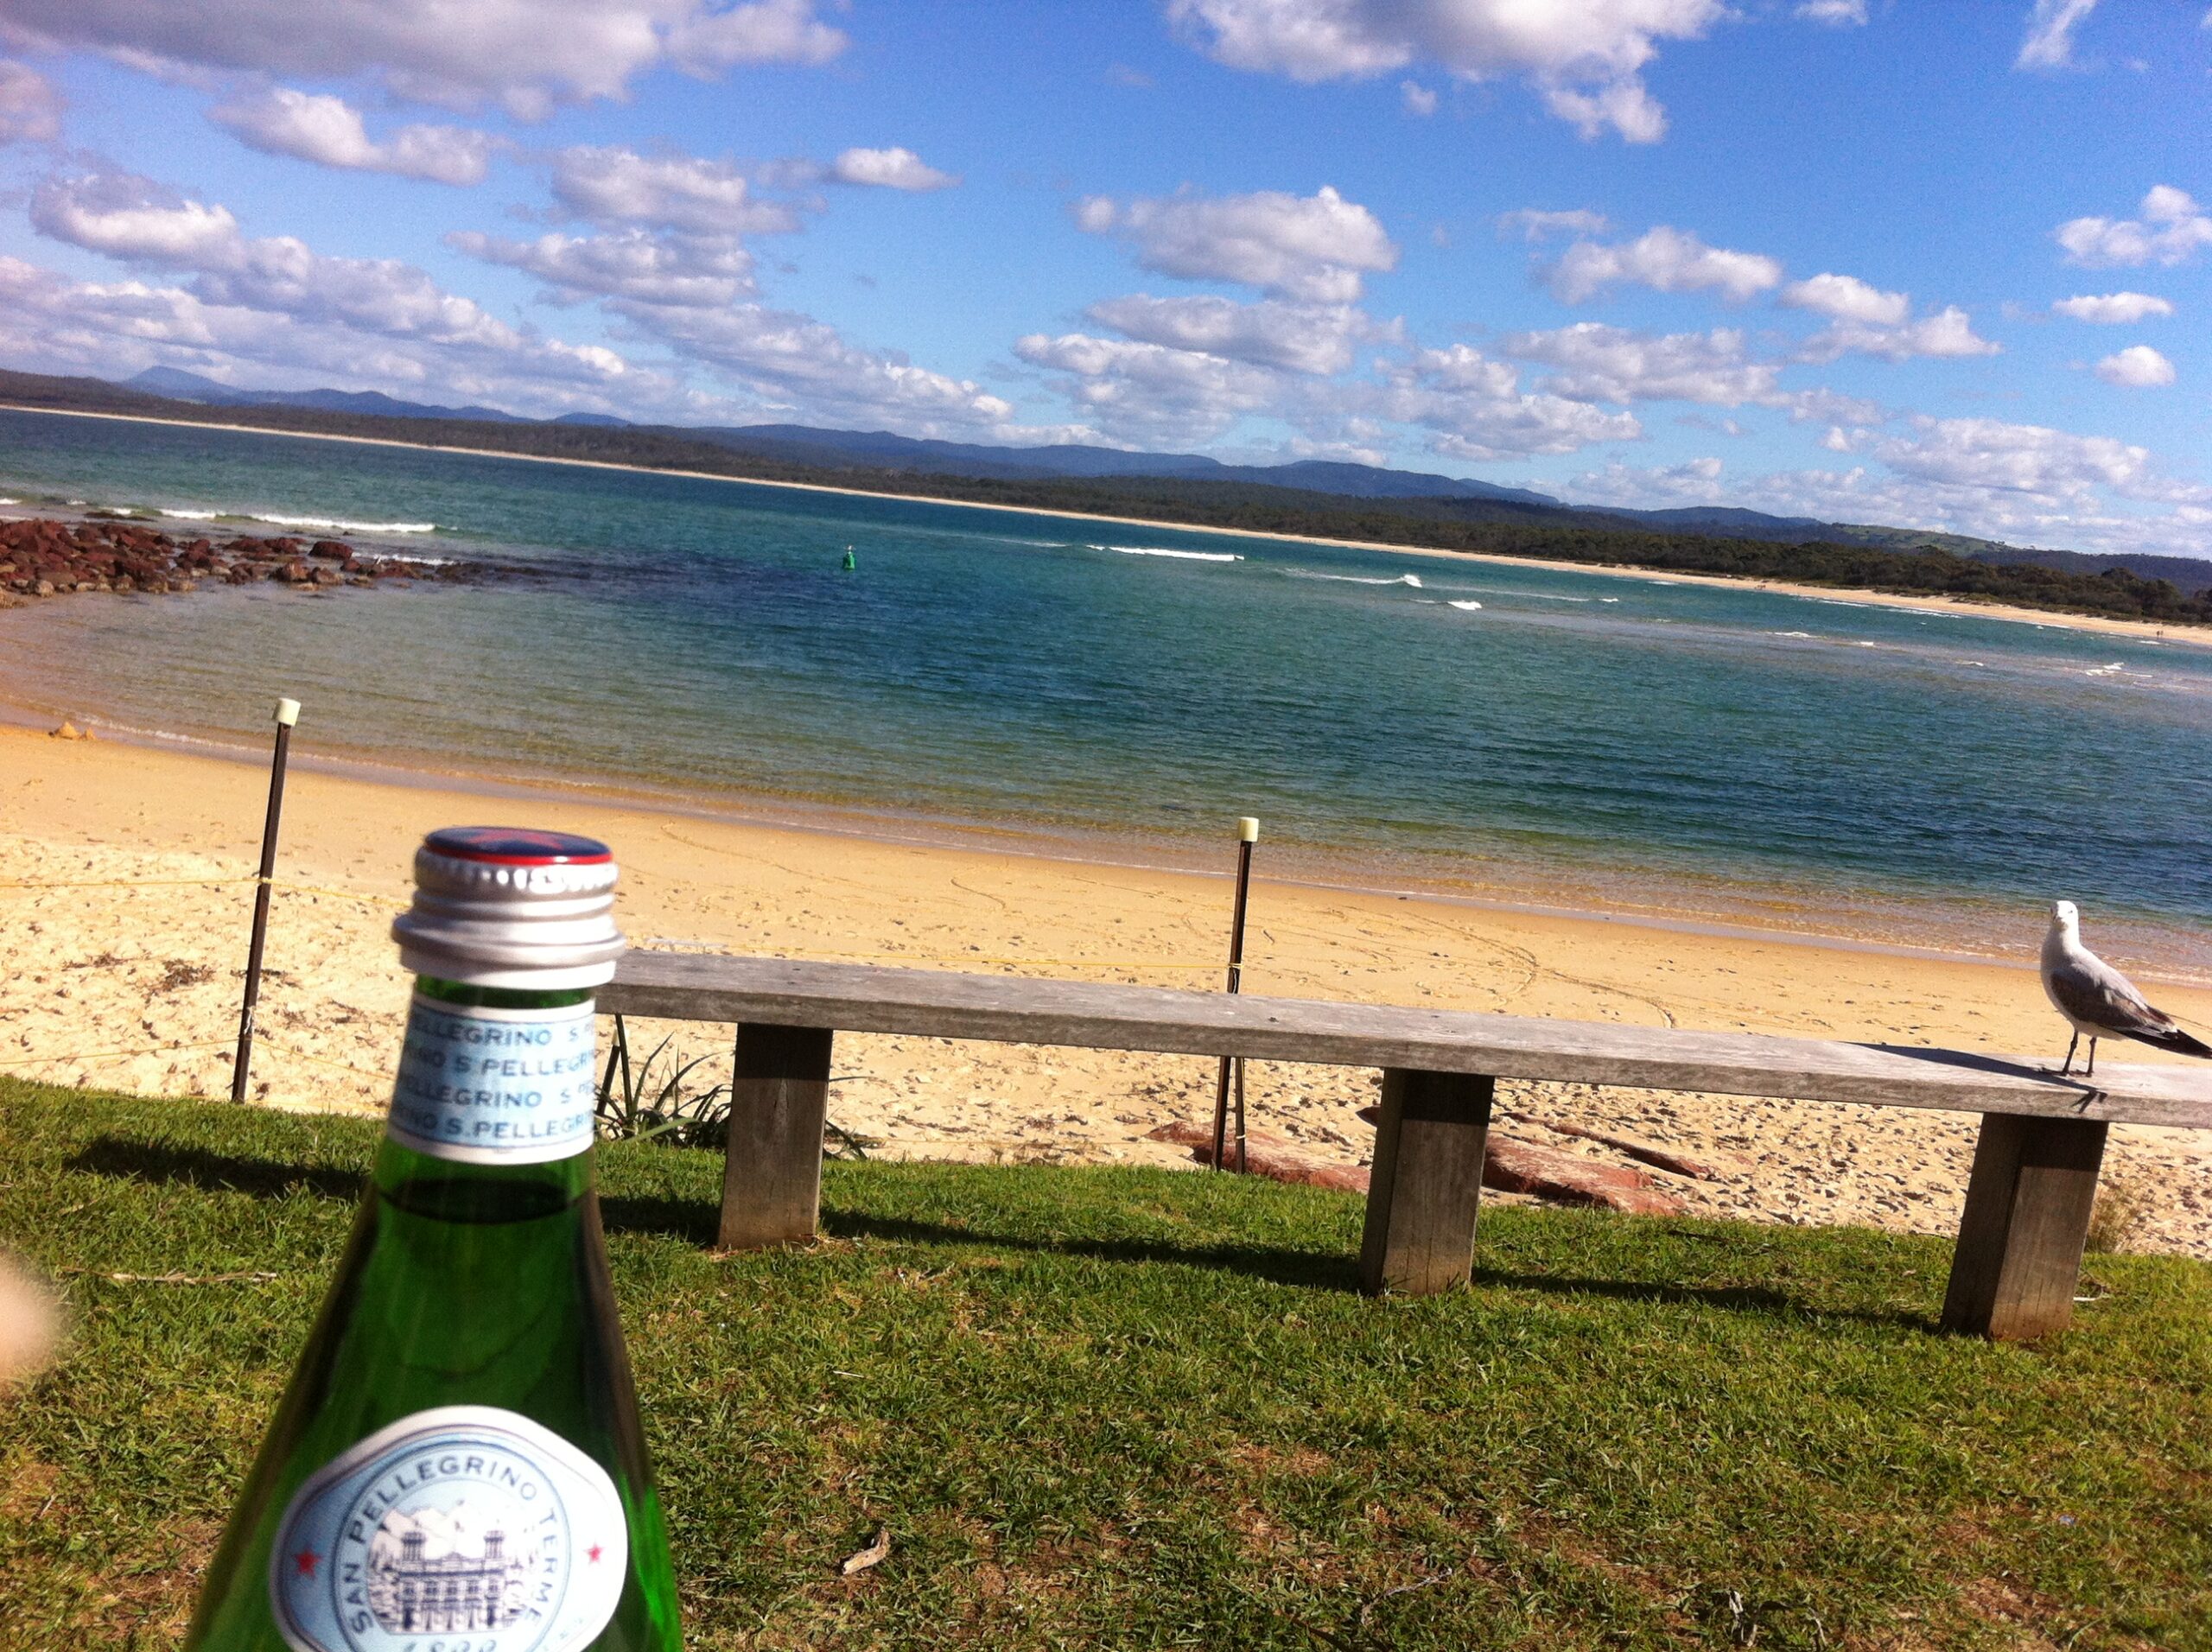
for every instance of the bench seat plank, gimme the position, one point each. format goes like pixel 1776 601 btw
pixel 867 998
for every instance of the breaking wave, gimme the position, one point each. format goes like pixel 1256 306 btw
pixel 1180 555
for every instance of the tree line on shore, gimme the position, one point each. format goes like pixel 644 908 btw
pixel 1497 528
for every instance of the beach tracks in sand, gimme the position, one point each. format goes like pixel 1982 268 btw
pixel 152 970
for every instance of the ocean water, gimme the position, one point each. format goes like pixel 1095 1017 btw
pixel 1500 731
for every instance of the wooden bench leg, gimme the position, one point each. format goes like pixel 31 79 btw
pixel 1427 1182
pixel 771 1170
pixel 2026 1220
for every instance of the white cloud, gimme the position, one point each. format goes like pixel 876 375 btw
pixel 1624 105
pixel 30 108
pixel 1947 334
pixel 1474 409
pixel 2025 484
pixel 806 367
pixel 2170 230
pixel 135 219
pixel 1846 298
pixel 1313 339
pixel 2137 367
pixel 1597 362
pixel 528 54
pixel 1822 405
pixel 1992 454
pixel 1418 98
pixel 1532 224
pixel 1694 481
pixel 618 187
pixel 890 169
pixel 1584 59
pixel 1315 249
pixel 1152 393
pixel 687 271
pixel 129 217
pixel 1837 14
pixel 328 132
pixel 1670 260
pixel 115 329
pixel 2113 309
pixel 2049 41
pixel 703 42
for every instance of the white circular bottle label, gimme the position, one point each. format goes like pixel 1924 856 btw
pixel 494 1086
pixel 465 1529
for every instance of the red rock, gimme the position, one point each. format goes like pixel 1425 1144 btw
pixel 335 551
pixel 327 577
pixel 1512 1166
pixel 1265 1154
pixel 1516 1166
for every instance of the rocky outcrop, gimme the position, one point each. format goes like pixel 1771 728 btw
pixel 43 557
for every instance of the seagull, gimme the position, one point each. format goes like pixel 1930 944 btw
pixel 2097 999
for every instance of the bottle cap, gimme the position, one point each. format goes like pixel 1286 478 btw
pixel 513 907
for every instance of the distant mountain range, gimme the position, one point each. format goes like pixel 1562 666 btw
pixel 1452 497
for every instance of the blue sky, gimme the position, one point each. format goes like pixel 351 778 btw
pixel 1870 260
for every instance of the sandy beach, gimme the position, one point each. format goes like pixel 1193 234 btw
pixel 125 873
pixel 2195 636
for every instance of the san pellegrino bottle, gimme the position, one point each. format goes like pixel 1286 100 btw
pixel 457 1464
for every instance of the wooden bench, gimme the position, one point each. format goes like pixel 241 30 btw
pixel 2020 1240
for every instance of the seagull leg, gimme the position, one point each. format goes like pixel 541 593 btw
pixel 2091 1071
pixel 2072 1044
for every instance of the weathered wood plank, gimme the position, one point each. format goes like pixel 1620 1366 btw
pixel 771 1170
pixel 2018 1256
pixel 1427 1184
pixel 863 998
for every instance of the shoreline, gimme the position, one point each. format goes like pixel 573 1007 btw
pixel 2143 630
pixel 1321 873
pixel 127 873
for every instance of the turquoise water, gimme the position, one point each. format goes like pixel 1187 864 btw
pixel 1576 739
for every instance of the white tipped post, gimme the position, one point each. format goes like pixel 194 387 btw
pixel 1247 834
pixel 288 713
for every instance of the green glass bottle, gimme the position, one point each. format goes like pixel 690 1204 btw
pixel 457 1464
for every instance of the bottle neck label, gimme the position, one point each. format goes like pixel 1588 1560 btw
pixel 468 1524
pixel 494 1086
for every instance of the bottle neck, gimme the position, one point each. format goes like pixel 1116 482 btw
pixel 495 1088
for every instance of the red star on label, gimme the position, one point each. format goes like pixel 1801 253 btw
pixel 306 1559
pixel 592 1553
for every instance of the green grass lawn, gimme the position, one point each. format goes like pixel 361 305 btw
pixel 1138 1408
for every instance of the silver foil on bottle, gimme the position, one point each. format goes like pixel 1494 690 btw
pixel 530 928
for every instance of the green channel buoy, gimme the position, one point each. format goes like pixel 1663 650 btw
pixel 849 563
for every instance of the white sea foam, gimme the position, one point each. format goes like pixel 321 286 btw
pixel 1413 580
pixel 1609 599
pixel 340 524
pixel 10 501
pixel 1543 597
pixel 1789 633
pixel 1467 607
pixel 1180 555
pixel 332 524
